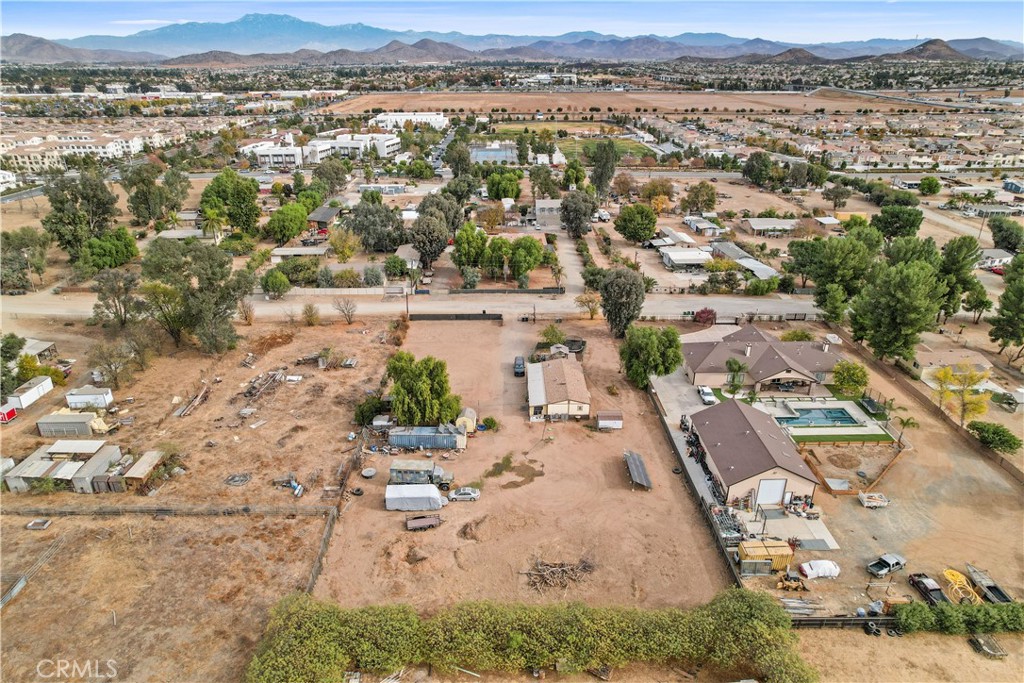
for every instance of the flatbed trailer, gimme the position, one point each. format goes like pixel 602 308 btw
pixel 986 585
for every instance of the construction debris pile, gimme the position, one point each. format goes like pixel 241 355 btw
pixel 557 574
pixel 263 384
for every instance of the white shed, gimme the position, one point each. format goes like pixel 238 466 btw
pixel 89 397
pixel 30 392
pixel 467 420
pixel 609 419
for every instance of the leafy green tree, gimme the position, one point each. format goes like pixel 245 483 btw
pixel 236 196
pixel 527 254
pixel 522 149
pixel 576 209
pixel 458 159
pixel 542 183
pixel 10 349
pixel 461 188
pixel 377 226
pixel 995 436
pixel 622 299
pixel 977 301
pixel 451 213
pixel 861 231
pixel 650 351
pixel 844 262
pixel 797 175
pixel 286 223
pixel 838 195
pixel 804 257
pixel 574 174
pixel 604 159
pixel 929 186
pixel 1008 322
pixel 344 243
pixel 656 187
pixel 910 249
pixel 637 223
pixel 503 185
pixel 79 210
pixel 470 245
pixel 118 301
pixel 959 256
pixel 275 283
pixel 835 303
pixel 850 378
pixel 496 257
pixel 310 199
pixel 147 201
pixel 421 394
pixel 1007 234
pixel 429 235
pixel 176 186
pixel 552 334
pixel 817 175
pixel 897 221
pixel 333 173
pixel 901 303
pixel 701 197
pixel 758 168
pixel 207 291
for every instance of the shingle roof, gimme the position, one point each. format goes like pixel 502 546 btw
pixel 768 357
pixel 563 381
pixel 743 442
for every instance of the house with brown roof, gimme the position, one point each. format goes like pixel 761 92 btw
pixel 557 390
pixel 746 452
pixel 771 364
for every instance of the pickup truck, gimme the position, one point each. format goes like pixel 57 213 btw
pixel 929 589
pixel 886 564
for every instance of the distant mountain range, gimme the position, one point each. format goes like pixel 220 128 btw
pixel 265 39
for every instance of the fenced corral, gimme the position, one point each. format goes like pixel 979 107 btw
pixel 414 317
pixel 325 544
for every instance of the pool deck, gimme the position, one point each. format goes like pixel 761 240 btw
pixel 782 408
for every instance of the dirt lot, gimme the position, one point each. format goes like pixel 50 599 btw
pixel 844 462
pixel 567 496
pixel 305 427
pixel 841 656
pixel 190 596
pixel 663 102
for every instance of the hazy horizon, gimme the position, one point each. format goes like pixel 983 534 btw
pixel 779 20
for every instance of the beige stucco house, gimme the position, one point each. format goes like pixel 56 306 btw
pixel 557 390
pixel 748 453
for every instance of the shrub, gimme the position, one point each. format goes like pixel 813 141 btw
pixel 552 334
pixel 274 283
pixel 949 619
pixel 705 316
pixel 995 436
pixel 394 266
pixel 347 278
pixel 470 277
pixel 368 409
pixel 797 336
pixel 238 244
pixel 491 423
pixel 373 276
pixel 300 271
pixel 311 315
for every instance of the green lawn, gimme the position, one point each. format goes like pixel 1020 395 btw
pixel 722 398
pixel 573 149
pixel 507 129
pixel 842 438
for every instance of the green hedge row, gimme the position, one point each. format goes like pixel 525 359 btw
pixel 742 632
pixel 960 619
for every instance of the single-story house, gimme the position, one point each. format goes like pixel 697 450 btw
pixel 557 390
pixel 1015 185
pixel 702 226
pixel 183 234
pixel 990 258
pixel 323 218
pixel 730 251
pixel 770 226
pixel 771 364
pixel 68 423
pixel 410 255
pixel 284 253
pixel 548 212
pixel 89 396
pixel 680 257
pixel 676 237
pixel 188 219
pixel 747 453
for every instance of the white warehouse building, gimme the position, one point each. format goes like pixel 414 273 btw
pixel 398 119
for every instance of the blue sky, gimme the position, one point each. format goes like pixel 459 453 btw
pixel 804 22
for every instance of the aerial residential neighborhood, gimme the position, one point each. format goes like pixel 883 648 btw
pixel 402 350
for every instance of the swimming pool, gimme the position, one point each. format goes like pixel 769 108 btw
pixel 818 417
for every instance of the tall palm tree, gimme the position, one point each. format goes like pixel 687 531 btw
pixel 737 369
pixel 214 221
pixel 173 219
pixel 905 423
pixel 557 272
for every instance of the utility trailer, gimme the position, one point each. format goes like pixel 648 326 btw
pixel 986 586
pixel 872 500
pixel 422 522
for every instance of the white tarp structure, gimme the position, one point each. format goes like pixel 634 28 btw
pixel 820 569
pixel 413 497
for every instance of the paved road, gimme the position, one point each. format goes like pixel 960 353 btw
pixel 45 304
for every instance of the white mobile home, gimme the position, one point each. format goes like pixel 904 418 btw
pixel 89 397
pixel 30 392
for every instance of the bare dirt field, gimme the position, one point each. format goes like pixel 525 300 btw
pixel 304 423
pixel 566 496
pixel 190 596
pixel 841 656
pixel 658 101
pixel 844 462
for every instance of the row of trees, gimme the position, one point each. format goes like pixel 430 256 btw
pixel 496 256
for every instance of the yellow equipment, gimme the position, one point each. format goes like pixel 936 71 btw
pixel 960 589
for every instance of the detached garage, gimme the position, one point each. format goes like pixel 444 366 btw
pixel 747 453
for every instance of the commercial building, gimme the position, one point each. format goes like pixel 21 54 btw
pixel 279 157
pixel 557 390
pixel 548 212
pixel 395 120
pixel 748 454
pixel 356 146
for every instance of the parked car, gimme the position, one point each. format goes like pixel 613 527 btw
pixel 886 564
pixel 465 493
pixel 707 396
pixel 929 589
pixel 998 270
pixel 519 367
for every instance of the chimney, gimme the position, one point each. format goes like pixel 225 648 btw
pixel 746 351
pixel 824 347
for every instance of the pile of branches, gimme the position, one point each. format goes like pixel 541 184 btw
pixel 557 574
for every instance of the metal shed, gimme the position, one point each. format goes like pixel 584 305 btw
pixel 441 436
pixel 609 419
pixel 30 392
pixel 7 413
pixel 142 470
pixel 467 420
pixel 637 470
pixel 97 465
pixel 73 424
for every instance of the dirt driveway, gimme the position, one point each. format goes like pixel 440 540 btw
pixel 565 496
